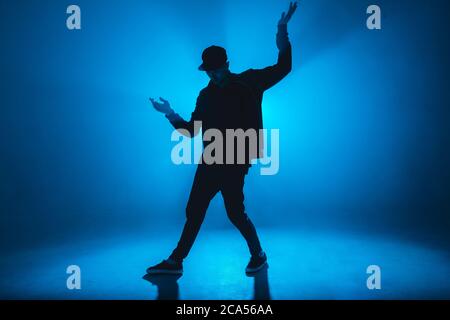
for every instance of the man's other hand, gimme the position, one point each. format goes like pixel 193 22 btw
pixel 163 107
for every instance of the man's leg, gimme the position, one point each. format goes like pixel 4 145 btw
pixel 232 191
pixel 204 188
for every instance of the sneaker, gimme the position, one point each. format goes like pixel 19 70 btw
pixel 256 263
pixel 166 267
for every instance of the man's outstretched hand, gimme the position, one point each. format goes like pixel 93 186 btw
pixel 163 107
pixel 285 17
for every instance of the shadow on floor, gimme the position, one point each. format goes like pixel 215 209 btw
pixel 167 286
pixel 261 290
pixel 168 289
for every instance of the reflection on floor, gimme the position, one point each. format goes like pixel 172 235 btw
pixel 302 265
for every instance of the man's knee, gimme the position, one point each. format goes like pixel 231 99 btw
pixel 237 214
pixel 194 212
pixel 190 211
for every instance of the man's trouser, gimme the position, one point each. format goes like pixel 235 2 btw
pixel 208 181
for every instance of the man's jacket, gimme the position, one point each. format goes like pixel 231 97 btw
pixel 237 105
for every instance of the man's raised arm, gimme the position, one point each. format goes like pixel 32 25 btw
pixel 269 76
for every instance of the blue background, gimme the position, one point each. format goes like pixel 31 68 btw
pixel 363 117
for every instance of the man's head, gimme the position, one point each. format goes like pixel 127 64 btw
pixel 215 64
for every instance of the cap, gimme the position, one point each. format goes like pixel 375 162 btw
pixel 214 57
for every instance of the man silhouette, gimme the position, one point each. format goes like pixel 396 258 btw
pixel 230 101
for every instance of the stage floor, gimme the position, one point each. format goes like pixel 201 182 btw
pixel 302 265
